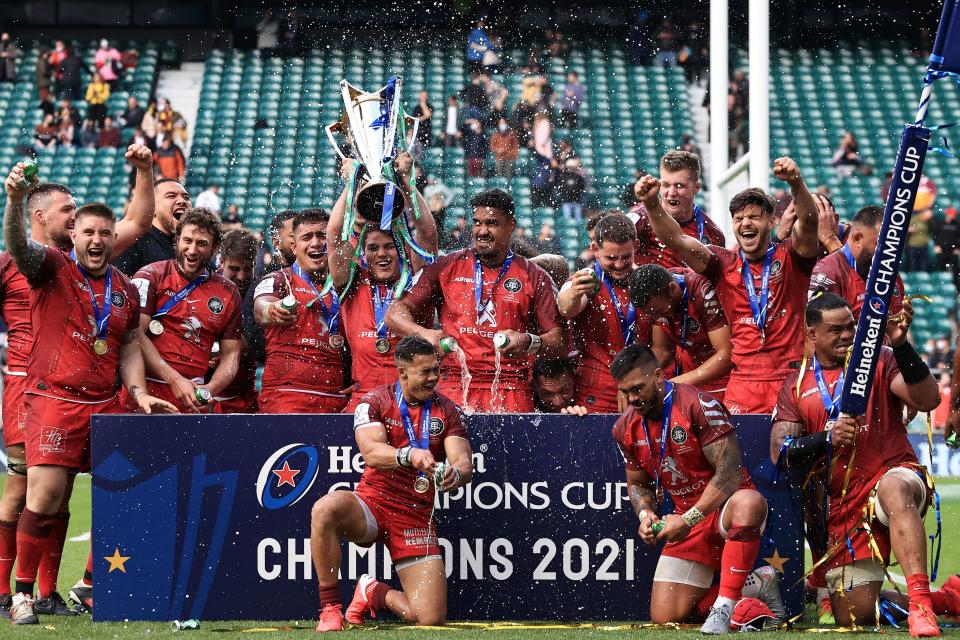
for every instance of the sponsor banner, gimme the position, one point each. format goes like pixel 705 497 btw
pixel 946 461
pixel 209 517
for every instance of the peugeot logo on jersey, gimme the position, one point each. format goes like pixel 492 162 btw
pixel 512 285
pixel 287 475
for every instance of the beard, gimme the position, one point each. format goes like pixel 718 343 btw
pixel 863 263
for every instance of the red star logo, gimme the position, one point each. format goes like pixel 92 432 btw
pixel 286 475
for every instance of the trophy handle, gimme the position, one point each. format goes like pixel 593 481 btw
pixel 336 147
pixel 413 138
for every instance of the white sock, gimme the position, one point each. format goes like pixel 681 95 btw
pixel 723 601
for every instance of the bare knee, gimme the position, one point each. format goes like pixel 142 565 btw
pixel 660 616
pixel 429 619
pixel 896 495
pixel 327 511
pixel 748 507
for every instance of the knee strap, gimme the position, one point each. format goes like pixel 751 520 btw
pixel 740 533
pixel 17 467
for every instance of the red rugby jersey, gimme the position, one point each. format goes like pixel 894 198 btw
pixel 523 301
pixel 696 420
pixel 651 250
pixel 772 358
pixel 211 312
pixel 15 307
pixel 835 275
pixel 704 315
pixel 62 361
pixel 883 444
pixel 395 487
pixel 300 356
pixel 370 368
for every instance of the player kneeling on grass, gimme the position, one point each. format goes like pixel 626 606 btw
pixel 677 439
pixel 402 429
pixel 878 490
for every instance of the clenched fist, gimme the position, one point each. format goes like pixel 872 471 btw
pixel 647 189
pixel 786 169
pixel 140 157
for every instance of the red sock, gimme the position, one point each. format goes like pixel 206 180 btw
pixel 941 604
pixel 739 554
pixel 703 606
pixel 378 596
pixel 8 553
pixel 50 562
pixel 88 574
pixel 330 595
pixel 819 576
pixel 918 590
pixel 33 535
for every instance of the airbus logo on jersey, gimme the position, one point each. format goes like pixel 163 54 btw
pixel 287 475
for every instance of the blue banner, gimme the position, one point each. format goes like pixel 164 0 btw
pixel 212 516
pixel 946 47
pixel 883 271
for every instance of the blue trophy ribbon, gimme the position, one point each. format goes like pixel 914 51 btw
pixel 423 441
pixel 101 317
pixel 478 281
pixel 758 303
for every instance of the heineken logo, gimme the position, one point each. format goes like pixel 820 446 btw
pixel 118 300
pixel 436 426
pixel 678 435
pixel 512 285
pixel 775 268
pixel 215 305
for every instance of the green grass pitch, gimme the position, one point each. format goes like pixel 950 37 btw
pixel 75 557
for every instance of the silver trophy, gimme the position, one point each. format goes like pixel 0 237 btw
pixel 369 126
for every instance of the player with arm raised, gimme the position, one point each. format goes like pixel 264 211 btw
pixel 762 287
pixel 85 338
pixel 678 440
pixel 877 497
pixel 404 430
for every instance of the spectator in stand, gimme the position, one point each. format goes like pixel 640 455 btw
pixel 66 132
pixel 474 145
pixel 424 113
pixel 497 95
pixel 946 243
pixel 523 115
pixel 451 127
pixel 541 182
pixel 89 136
pixel 57 56
pixel 687 144
pixel 43 74
pixel 506 149
pixel 571 98
pixel 170 122
pixel 232 219
pixel 556 44
pixel 109 134
pixel 918 241
pixel 70 81
pixel 9 52
pixel 210 198
pixel 571 187
pixel 846 159
pixel 939 354
pixel 45 134
pixel 478 43
pixel 493 58
pixel 547 240
pixel 47 107
pixel 565 151
pixel 668 42
pixel 132 117
pixel 97 95
pixel 67 111
pixel 169 160
pixel 149 124
pixel 475 94
pixel 694 53
pixel 107 63
pixel 543 135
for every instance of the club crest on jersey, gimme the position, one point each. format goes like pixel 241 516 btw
pixel 118 300
pixel 896 291
pixel 215 305
pixel 775 268
pixel 876 304
pixel 436 426
pixel 512 285
pixel 678 435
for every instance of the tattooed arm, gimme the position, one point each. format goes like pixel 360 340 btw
pixel 27 254
pixel 724 456
pixel 640 492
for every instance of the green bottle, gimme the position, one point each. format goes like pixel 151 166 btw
pixel 30 170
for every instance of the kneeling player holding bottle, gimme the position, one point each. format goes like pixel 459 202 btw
pixel 675 438
pixel 402 429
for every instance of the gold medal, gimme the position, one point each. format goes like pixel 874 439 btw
pixel 155 327
pixel 100 346
pixel 382 346
pixel 336 341
pixel 421 484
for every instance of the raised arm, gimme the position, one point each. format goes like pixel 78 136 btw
pixel 425 227
pixel 668 230
pixel 139 216
pixel 805 240
pixel 339 251
pixel 915 385
pixel 27 254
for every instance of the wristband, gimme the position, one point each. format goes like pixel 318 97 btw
pixel 535 343
pixel 911 365
pixel 642 515
pixel 693 517
pixel 803 451
pixel 403 456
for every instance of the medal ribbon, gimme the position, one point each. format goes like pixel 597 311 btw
pixel 423 442
pixel 100 318
pixel 180 296
pixel 684 312
pixel 758 303
pixel 664 435
pixel 698 216
pixel 380 306
pixel 478 281
pixel 830 403
pixel 628 322
pixel 849 256
pixel 332 315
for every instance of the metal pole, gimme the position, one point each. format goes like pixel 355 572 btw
pixel 759 106
pixel 719 125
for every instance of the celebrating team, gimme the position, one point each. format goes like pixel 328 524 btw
pixel 694 333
